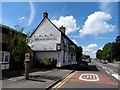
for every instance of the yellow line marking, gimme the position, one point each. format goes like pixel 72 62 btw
pixel 57 86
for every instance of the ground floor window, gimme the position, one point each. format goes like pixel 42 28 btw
pixel 4 59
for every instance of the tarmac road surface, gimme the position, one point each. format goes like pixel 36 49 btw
pixel 94 78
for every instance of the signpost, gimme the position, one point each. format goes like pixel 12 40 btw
pixel 27 65
pixel 58 47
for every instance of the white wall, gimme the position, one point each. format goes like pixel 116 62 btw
pixel 48 42
pixel 56 55
pixel 44 44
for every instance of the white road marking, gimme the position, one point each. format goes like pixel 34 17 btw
pixel 116 76
pixel 89 77
pixel 111 71
pixel 107 71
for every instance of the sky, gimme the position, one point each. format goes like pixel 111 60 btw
pixel 88 24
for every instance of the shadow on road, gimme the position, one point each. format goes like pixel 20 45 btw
pixel 90 68
pixel 36 79
pixel 93 68
pixel 42 78
pixel 15 73
pixel 68 67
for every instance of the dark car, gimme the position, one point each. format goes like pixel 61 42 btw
pixel 88 60
pixel 104 62
pixel 82 65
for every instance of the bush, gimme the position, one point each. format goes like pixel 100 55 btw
pixel 54 62
pixel 47 63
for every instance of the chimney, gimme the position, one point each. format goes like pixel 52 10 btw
pixel 45 14
pixel 62 29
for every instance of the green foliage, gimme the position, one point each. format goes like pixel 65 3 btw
pixel 85 57
pixel 54 62
pixel 18 45
pixel 79 54
pixel 116 51
pixel 105 53
pixel 99 54
pixel 47 63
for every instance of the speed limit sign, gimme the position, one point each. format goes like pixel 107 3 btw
pixel 58 47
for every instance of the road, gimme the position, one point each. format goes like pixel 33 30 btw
pixel 114 68
pixel 95 77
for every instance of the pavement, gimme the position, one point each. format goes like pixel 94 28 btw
pixel 114 64
pixel 38 79
pixel 96 77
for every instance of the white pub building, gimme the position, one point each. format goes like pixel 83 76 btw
pixel 48 41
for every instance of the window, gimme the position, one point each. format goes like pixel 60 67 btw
pixel 4 47
pixel 4 30
pixel 1 56
pixel 6 57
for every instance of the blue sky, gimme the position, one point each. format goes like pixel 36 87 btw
pixel 88 24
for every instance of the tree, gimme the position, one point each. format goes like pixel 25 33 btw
pixel 116 51
pixel 105 53
pixel 18 46
pixel 85 57
pixel 99 54
pixel 79 54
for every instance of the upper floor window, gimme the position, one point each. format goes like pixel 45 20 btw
pixel 4 30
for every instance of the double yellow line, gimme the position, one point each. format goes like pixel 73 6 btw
pixel 57 86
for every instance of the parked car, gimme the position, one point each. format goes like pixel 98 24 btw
pixel 82 65
pixel 104 62
pixel 88 60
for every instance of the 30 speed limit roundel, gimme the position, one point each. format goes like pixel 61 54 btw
pixel 58 47
pixel 89 77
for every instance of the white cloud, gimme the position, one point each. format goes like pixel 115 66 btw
pixel 68 22
pixel 21 18
pixel 74 41
pixel 32 15
pixel 100 48
pixel 96 23
pixel 90 50
pixel 0 20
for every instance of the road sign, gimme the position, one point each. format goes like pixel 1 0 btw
pixel 89 77
pixel 58 47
